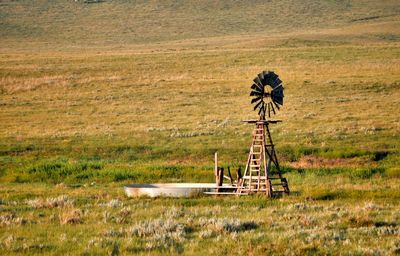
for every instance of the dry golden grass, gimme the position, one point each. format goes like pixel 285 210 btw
pixel 95 96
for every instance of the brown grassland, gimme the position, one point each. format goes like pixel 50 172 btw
pixel 97 95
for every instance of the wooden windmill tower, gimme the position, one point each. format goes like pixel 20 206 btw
pixel 263 173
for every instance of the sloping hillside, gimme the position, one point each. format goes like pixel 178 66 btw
pixel 107 22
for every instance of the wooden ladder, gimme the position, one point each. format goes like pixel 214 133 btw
pixel 257 175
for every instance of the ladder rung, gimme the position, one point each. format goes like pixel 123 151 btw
pixel 255 190
pixel 255 165
pixel 254 177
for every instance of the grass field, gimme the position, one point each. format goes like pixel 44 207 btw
pixel 95 96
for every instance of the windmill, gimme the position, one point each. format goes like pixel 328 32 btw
pixel 262 173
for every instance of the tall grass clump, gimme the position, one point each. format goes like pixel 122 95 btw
pixel 59 170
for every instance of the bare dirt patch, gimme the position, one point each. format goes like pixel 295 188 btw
pixel 320 162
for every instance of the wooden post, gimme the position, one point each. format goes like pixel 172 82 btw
pixel 216 164
pixel 239 177
pixel 219 179
pixel 221 176
pixel 268 188
pixel 230 175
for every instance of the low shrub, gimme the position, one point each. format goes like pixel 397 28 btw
pixel 226 225
pixel 61 201
pixel 159 233
pixel 71 216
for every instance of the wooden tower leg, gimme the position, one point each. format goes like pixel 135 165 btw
pixel 270 149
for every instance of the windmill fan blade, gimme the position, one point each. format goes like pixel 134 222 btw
pixel 256 99
pixel 271 78
pixel 258 104
pixel 277 94
pixel 276 105
pixel 267 79
pixel 257 88
pixel 262 110
pixel 276 82
pixel 255 93
pixel 258 82
pixel 278 100
pixel 273 109
pixel 277 88
pixel 269 109
pixel 272 75
pixel 261 77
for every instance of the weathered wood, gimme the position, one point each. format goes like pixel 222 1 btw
pixel 221 176
pixel 230 175
pixel 261 157
pixel 253 121
pixel 239 179
pixel 239 173
pixel 215 164
pixel 217 179
pixel 223 193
